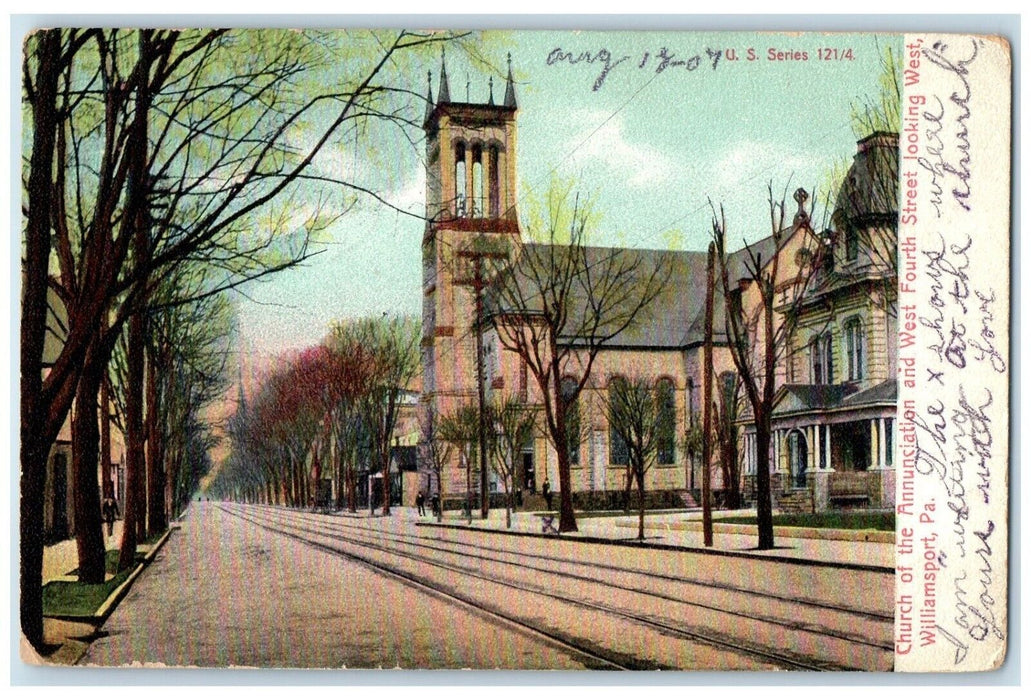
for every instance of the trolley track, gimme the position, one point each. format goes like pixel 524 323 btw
pixel 303 527
pixel 434 541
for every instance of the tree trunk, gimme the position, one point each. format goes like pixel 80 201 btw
pixel 156 521
pixel 385 463
pixel 640 496
pixel 763 502
pixel 566 517
pixel 135 465
pixel 107 483
pixel 36 439
pixel 89 532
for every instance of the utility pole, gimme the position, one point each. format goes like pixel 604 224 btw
pixel 478 282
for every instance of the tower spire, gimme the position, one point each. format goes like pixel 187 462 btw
pixel 510 96
pixel 444 93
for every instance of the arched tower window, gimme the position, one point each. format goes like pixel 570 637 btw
pixel 495 190
pixel 572 419
pixel 476 210
pixel 461 196
pixel 666 422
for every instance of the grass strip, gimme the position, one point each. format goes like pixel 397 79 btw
pixel 839 521
pixel 76 599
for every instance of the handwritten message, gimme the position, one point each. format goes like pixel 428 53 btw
pixel 601 62
pixel 951 499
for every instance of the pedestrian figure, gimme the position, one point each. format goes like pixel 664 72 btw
pixel 546 492
pixel 110 511
pixel 420 502
pixel 435 503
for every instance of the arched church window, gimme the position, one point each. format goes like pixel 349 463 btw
pixel 666 421
pixel 572 419
pixel 619 452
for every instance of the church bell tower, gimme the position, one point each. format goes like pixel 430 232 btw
pixel 471 215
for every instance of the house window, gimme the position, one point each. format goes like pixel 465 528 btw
pixel 619 453
pixel 816 359
pixel 828 357
pixel 851 245
pixel 572 419
pixel 728 385
pixel 821 355
pixel 666 421
pixel 854 348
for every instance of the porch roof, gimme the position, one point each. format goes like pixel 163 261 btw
pixel 831 403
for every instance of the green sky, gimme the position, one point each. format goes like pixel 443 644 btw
pixel 653 146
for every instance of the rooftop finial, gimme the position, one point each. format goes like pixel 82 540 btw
pixel 801 216
pixel 490 87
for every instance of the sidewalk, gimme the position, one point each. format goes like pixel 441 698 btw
pixel 59 560
pixel 680 529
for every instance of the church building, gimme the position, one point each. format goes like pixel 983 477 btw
pixel 835 403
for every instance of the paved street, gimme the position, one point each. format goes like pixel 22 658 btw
pixel 271 587
pixel 226 593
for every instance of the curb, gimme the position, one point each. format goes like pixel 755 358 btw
pixel 590 539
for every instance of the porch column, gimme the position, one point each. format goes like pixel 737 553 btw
pixel 875 448
pixel 883 444
pixel 827 446
pixel 814 447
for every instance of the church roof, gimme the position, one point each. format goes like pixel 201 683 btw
pixel 676 318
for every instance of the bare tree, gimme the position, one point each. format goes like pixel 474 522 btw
pixel 393 346
pixel 149 149
pixel 436 452
pixel 515 424
pixel 634 415
pixel 559 302
pixel 763 293
pixel 460 427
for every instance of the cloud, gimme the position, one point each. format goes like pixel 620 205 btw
pixel 637 164
pixel 748 163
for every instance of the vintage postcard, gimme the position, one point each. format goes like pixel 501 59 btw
pixel 543 350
